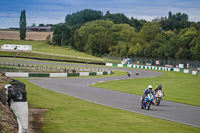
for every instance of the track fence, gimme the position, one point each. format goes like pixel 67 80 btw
pixel 189 64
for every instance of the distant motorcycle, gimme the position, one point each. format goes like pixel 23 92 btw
pixel 146 103
pixel 136 73
pixel 128 74
pixel 158 97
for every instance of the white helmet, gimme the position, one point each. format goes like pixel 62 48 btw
pixel 150 87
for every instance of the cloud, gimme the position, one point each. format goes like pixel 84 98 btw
pixel 51 11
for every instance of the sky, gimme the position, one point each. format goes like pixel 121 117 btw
pixel 54 11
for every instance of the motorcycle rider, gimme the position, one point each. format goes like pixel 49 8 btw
pixel 128 74
pixel 159 88
pixel 147 91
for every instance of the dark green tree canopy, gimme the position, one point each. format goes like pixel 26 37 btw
pixel 61 34
pixel 117 18
pixel 22 25
pixel 175 21
pixel 83 16
pixel 117 35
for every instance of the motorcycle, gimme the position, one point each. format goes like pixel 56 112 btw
pixel 158 96
pixel 128 74
pixel 146 103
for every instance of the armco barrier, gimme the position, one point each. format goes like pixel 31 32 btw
pixel 92 73
pixel 105 73
pixel 39 75
pixel 15 74
pixel 155 68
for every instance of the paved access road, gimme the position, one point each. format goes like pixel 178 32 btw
pixel 78 87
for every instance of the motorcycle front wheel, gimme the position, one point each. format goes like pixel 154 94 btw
pixel 158 101
pixel 148 104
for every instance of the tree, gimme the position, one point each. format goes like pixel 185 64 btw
pixel 195 47
pixel 149 31
pixel 137 23
pixel 117 35
pixel 82 17
pixel 185 43
pixel 138 50
pixel 174 21
pixel 22 25
pixel 98 43
pixel 33 25
pixel 117 18
pixel 93 37
pixel 41 25
pixel 122 32
pixel 170 45
pixel 61 34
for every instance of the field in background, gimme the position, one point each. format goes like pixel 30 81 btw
pixel 14 35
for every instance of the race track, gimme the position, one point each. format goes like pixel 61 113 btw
pixel 78 87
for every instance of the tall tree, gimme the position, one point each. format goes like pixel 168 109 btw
pixel 22 25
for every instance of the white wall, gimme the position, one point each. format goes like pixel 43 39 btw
pixel 84 73
pixel 58 74
pixel 21 111
pixel 16 47
pixel 16 74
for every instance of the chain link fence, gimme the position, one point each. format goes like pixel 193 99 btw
pixel 155 62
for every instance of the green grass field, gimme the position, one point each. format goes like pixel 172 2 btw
pixel 178 87
pixel 49 51
pixel 67 114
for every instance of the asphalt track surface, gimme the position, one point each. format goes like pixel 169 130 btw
pixel 78 87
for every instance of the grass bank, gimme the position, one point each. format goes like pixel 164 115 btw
pixel 42 50
pixel 67 114
pixel 178 87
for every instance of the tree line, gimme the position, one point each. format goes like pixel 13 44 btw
pixel 117 35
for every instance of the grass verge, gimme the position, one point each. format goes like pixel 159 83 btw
pixel 68 114
pixel 178 87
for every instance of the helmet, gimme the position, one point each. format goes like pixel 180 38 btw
pixel 150 87
pixel 160 86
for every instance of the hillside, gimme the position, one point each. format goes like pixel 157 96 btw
pixel 42 50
